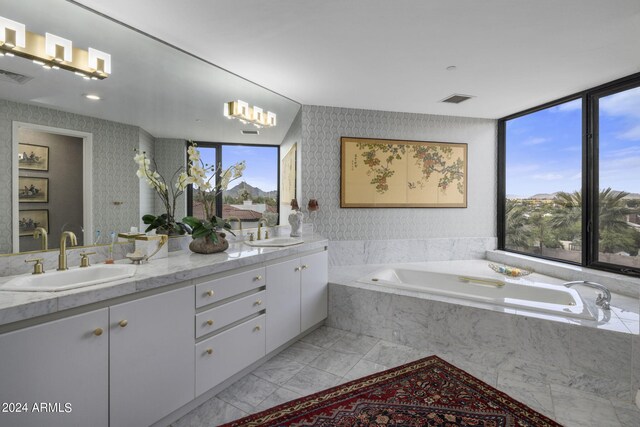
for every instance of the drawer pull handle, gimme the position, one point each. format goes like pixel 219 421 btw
pixel 296 269
pixel 257 278
pixel 97 332
pixel 258 302
pixel 210 293
pixel 123 323
pixel 209 322
pixel 209 351
pixel 305 266
pixel 257 328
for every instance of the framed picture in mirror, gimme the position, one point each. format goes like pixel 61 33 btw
pixel 33 190
pixel 33 157
pixel 30 219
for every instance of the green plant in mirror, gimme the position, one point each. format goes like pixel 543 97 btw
pixel 163 225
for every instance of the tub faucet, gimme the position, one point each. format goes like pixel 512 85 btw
pixel 603 300
pixel 62 258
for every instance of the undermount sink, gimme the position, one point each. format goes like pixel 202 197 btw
pixel 54 281
pixel 276 242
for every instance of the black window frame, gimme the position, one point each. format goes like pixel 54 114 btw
pixel 218 147
pixel 590 168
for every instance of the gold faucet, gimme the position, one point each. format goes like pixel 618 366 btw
pixel 235 218
pixel 42 234
pixel 260 221
pixel 62 258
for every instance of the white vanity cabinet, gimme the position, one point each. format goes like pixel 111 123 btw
pixel 152 370
pixel 297 295
pixel 58 371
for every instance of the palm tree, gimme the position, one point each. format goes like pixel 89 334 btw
pixel 518 233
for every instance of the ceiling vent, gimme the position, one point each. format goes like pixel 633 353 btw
pixel 456 99
pixel 9 77
pixel 250 132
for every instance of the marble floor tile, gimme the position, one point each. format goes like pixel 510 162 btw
pixel 484 373
pixel 213 412
pixel 390 354
pixel 278 397
pixel 324 336
pixel 302 352
pixel 532 394
pixel 311 380
pixel 354 343
pixel 278 369
pixel 248 392
pixel 628 413
pixel 335 362
pixel 362 369
pixel 574 408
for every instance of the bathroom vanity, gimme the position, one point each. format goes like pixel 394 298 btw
pixel 134 351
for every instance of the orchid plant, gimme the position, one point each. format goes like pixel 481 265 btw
pixel 168 194
pixel 202 177
pixel 205 190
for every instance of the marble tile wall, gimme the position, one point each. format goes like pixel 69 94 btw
pixel 356 252
pixel 600 361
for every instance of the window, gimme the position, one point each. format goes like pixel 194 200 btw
pixel 253 196
pixel 568 184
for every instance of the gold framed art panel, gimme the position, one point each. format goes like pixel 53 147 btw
pixel 389 173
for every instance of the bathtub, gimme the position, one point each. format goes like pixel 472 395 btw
pixel 515 293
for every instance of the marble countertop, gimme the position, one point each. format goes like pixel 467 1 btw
pixel 177 267
pixel 623 317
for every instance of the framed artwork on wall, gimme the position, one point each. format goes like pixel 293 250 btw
pixel 33 190
pixel 33 157
pixel 387 173
pixel 30 219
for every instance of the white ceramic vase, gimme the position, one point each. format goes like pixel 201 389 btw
pixel 295 220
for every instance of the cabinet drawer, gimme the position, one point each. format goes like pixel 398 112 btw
pixel 223 355
pixel 219 317
pixel 218 289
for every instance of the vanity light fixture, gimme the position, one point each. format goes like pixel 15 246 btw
pixel 249 114
pixel 52 52
pixel 92 97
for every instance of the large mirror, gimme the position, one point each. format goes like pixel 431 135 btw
pixel 67 160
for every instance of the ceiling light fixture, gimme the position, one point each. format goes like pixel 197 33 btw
pixel 93 97
pixel 247 114
pixel 52 52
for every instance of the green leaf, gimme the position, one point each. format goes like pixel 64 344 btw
pixel 192 221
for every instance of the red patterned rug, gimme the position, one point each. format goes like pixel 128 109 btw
pixel 427 392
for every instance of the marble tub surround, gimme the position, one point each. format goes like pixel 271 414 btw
pixel 624 316
pixel 324 355
pixel 617 283
pixel 595 356
pixel 356 252
pixel 178 267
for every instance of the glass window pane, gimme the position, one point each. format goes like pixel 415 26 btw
pixel 208 156
pixel 255 194
pixel 543 173
pixel 619 179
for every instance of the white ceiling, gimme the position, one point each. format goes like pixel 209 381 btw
pixel 392 54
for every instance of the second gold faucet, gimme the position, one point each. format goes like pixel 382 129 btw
pixel 62 258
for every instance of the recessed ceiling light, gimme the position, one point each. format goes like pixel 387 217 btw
pixel 452 68
pixel 92 97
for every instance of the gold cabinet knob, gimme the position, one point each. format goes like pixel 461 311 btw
pixel 123 323
pixel 209 322
pixel 210 293
pixel 296 269
pixel 305 266
pixel 257 278
pixel 209 351
pixel 97 332
pixel 257 328
pixel 258 302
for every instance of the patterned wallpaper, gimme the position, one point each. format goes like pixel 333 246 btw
pixel 322 128
pixel 170 154
pixel 114 178
pixel 147 194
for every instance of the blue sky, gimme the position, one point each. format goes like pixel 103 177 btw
pixel 544 149
pixel 262 164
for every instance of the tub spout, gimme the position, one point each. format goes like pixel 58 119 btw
pixel 603 300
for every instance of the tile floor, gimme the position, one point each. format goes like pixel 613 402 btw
pixel 328 357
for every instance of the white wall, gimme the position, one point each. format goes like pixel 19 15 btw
pixel 322 128
pixel 294 136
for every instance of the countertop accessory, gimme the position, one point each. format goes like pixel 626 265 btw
pixel 510 271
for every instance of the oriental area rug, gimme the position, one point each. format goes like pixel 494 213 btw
pixel 427 392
